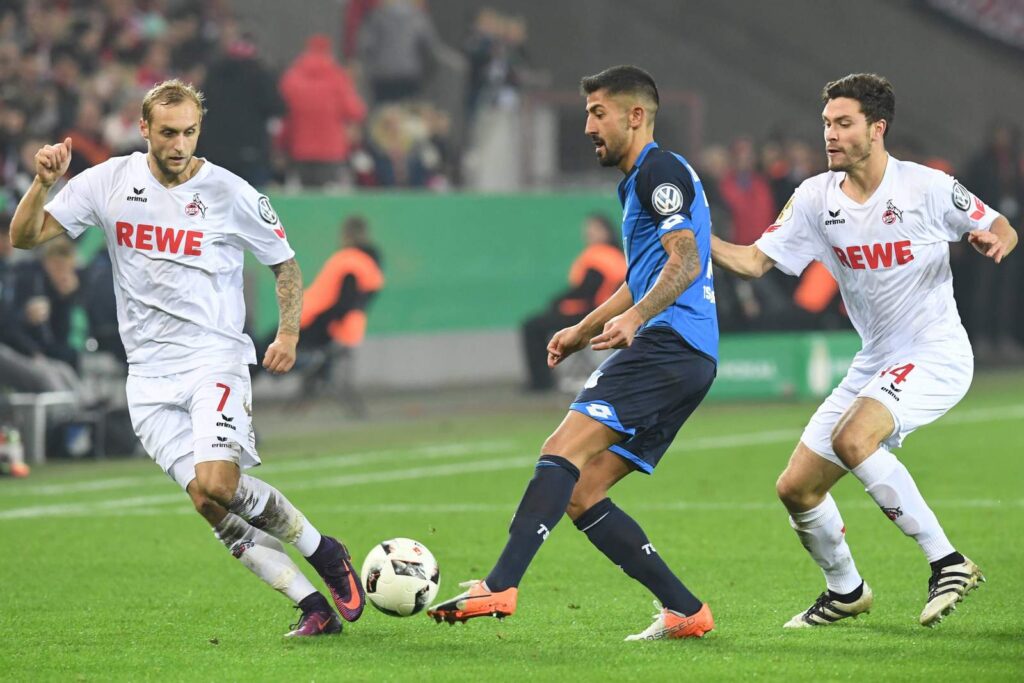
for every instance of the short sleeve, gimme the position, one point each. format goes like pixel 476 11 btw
pixel 665 189
pixel 259 229
pixel 790 241
pixel 74 207
pixel 955 210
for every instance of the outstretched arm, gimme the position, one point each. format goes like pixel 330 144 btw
pixel 31 225
pixel 681 269
pixel 997 242
pixel 746 262
pixel 280 357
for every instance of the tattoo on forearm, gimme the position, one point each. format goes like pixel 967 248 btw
pixel 289 295
pixel 681 269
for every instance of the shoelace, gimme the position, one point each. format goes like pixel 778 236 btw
pixel 658 608
pixel 819 605
pixel 294 626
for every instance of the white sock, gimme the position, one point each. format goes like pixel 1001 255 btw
pixel 890 484
pixel 822 532
pixel 266 508
pixel 264 556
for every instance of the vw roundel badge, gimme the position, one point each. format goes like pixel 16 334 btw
pixel 961 197
pixel 267 211
pixel 667 199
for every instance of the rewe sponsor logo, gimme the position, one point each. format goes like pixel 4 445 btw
pixel 158 238
pixel 875 256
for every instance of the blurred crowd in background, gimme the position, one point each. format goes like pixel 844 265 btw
pixel 354 115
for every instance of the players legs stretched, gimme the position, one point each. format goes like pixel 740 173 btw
pixel 265 557
pixel 804 489
pixel 855 444
pixel 266 509
pixel 858 441
pixel 573 444
pixel 623 541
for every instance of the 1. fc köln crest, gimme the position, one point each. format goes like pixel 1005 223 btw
pixel 195 207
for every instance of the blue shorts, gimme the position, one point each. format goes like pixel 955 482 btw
pixel 646 392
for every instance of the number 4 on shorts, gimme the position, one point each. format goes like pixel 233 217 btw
pixel 900 372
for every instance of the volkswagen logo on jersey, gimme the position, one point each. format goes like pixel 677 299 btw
pixel 961 197
pixel 667 199
pixel 267 211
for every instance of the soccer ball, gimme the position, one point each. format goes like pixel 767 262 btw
pixel 400 576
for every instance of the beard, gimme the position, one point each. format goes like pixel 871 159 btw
pixel 854 155
pixel 166 169
pixel 611 156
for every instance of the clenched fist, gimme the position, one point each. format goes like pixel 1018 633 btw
pixel 52 162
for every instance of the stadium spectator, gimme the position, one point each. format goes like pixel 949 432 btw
pixel 334 309
pixel 397 50
pixel 322 109
pixel 497 60
pixel 243 101
pixel 45 292
pixel 23 367
pixel 993 311
pixel 401 151
pixel 765 303
pixel 87 136
pixel 597 272
pixel 916 361
pixel 747 194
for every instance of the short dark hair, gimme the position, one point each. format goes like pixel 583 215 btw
pixel 622 80
pixel 874 92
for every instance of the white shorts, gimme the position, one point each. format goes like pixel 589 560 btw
pixel 196 416
pixel 918 385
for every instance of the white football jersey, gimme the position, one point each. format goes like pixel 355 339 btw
pixel 177 258
pixel 890 255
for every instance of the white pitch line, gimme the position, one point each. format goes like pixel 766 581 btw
pixel 706 443
pixel 431 452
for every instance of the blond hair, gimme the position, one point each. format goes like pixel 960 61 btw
pixel 171 92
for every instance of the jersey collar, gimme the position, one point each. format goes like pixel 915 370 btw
pixel 639 161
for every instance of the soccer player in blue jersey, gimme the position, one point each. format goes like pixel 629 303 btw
pixel 664 322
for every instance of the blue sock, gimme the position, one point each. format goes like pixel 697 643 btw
pixel 543 504
pixel 623 542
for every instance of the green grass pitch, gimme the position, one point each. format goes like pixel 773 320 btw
pixel 107 573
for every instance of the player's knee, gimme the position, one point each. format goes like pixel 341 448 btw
pixel 851 447
pixel 206 506
pixel 218 490
pixel 582 501
pixel 794 493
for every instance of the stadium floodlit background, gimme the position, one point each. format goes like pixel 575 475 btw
pixel 461 145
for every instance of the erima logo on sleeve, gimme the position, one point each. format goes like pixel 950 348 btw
pixel 667 199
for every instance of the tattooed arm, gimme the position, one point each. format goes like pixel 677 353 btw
pixel 681 269
pixel 281 353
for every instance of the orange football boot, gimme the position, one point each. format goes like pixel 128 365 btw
pixel 669 624
pixel 477 601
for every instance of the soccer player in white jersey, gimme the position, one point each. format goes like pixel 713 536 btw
pixel 177 227
pixel 882 227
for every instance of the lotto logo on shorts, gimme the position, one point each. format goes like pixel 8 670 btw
pixel 599 411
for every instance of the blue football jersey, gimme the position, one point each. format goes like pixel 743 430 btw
pixel 662 193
